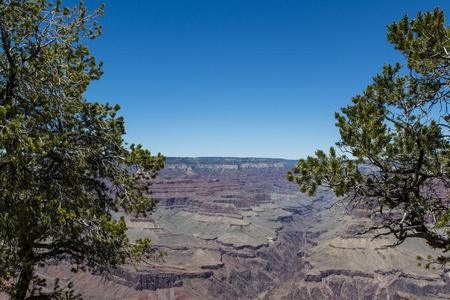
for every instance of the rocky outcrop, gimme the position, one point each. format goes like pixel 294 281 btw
pixel 327 273
pixel 346 284
pixel 235 228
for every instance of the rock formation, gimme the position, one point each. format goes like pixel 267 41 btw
pixel 237 229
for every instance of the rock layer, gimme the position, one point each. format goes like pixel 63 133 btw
pixel 237 229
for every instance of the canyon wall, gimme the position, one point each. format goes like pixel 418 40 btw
pixel 235 228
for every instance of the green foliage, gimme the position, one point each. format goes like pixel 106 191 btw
pixel 395 159
pixel 63 163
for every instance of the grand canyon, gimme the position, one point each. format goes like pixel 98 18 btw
pixel 235 228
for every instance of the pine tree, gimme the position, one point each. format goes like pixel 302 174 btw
pixel 64 166
pixel 395 152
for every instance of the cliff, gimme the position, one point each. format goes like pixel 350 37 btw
pixel 235 228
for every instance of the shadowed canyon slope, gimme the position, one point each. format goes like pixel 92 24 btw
pixel 235 228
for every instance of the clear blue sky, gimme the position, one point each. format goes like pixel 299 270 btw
pixel 245 78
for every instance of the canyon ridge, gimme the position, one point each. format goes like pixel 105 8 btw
pixel 235 228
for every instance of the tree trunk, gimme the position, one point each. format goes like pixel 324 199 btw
pixel 26 274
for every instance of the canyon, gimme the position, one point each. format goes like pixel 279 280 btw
pixel 235 228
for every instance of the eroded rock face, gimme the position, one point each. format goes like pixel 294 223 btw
pixel 237 229
pixel 345 265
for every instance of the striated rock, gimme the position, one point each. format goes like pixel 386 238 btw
pixel 325 274
pixel 235 228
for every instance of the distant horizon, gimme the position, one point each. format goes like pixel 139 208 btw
pixel 231 157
